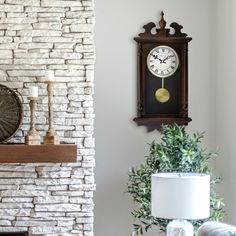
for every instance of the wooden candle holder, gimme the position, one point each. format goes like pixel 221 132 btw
pixel 51 135
pixel 32 138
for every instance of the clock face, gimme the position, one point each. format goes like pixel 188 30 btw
pixel 162 61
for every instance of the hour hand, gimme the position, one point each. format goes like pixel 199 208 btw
pixel 156 57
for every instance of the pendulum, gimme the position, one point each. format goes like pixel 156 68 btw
pixel 162 95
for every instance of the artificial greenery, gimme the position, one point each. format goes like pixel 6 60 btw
pixel 177 152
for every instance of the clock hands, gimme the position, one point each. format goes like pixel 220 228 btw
pixel 161 61
pixel 156 57
pixel 165 59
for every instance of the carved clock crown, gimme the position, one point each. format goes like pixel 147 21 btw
pixel 162 31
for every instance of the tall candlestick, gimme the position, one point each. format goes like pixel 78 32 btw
pixel 51 135
pixel 33 91
pixel 32 138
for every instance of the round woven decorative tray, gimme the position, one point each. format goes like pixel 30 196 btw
pixel 11 113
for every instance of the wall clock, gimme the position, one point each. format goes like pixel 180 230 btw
pixel 162 75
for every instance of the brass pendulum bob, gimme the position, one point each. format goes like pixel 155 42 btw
pixel 162 95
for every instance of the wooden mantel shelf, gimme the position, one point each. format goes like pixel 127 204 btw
pixel 21 153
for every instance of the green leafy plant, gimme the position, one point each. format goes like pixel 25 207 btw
pixel 177 152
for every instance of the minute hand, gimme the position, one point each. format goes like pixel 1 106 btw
pixel 165 59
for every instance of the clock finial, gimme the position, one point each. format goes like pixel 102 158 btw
pixel 162 22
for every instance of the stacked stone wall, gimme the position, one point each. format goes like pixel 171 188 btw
pixel 36 36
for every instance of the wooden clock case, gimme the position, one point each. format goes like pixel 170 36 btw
pixel 152 113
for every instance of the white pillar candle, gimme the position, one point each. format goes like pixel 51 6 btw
pixel 33 91
pixel 50 75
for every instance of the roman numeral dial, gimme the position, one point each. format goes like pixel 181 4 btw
pixel 162 61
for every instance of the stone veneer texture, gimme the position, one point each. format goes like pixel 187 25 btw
pixel 37 35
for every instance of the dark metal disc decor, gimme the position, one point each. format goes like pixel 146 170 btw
pixel 11 113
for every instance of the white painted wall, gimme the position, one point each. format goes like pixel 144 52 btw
pixel 225 102
pixel 119 142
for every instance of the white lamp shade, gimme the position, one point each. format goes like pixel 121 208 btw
pixel 180 195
